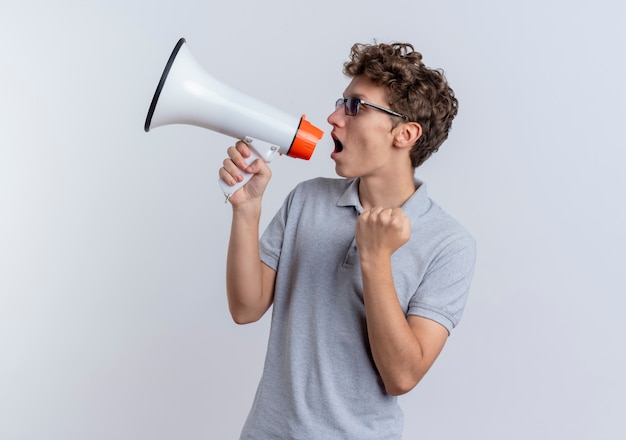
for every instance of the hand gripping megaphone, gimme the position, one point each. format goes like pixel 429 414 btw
pixel 186 94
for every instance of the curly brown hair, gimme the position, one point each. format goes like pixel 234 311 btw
pixel 414 90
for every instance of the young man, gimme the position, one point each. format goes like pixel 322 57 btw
pixel 366 275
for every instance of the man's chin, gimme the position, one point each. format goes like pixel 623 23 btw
pixel 342 172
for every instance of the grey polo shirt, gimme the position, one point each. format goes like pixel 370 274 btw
pixel 319 379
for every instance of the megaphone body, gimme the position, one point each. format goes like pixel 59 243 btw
pixel 186 94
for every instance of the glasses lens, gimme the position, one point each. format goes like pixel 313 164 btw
pixel 352 106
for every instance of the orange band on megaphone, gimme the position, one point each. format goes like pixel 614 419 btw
pixel 305 141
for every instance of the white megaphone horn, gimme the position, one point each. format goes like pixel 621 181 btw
pixel 186 94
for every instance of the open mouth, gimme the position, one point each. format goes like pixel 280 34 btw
pixel 338 145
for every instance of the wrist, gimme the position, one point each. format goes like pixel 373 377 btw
pixel 249 208
pixel 374 261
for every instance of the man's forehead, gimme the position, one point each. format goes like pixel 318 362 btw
pixel 363 88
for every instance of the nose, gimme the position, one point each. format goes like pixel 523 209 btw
pixel 337 116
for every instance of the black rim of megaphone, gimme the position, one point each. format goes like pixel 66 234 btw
pixel 157 93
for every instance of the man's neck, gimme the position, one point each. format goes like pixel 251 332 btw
pixel 386 192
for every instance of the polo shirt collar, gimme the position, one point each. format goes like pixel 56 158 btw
pixel 414 207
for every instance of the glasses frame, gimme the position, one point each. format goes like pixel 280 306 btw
pixel 359 102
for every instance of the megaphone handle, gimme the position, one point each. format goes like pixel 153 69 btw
pixel 258 150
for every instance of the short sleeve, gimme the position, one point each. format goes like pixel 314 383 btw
pixel 443 292
pixel 271 242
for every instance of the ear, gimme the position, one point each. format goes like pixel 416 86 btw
pixel 407 134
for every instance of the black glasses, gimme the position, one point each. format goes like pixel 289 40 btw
pixel 352 106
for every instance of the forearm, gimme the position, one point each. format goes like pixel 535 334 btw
pixel 247 298
pixel 395 348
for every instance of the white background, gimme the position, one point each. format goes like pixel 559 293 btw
pixel 113 320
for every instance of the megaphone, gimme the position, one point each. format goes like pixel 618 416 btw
pixel 186 94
